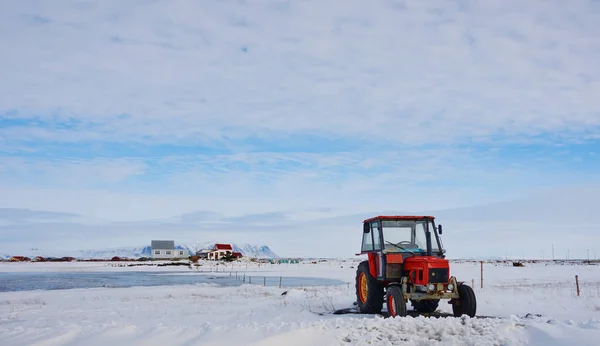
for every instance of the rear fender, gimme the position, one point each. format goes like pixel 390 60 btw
pixel 372 264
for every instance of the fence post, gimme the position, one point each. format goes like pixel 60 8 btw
pixel 280 278
pixel 264 281
pixel 577 283
pixel 481 263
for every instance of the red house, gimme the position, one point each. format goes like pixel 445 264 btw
pixel 220 250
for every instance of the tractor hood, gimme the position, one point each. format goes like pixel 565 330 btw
pixel 423 270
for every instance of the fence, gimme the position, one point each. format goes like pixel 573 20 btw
pixel 247 278
pixel 577 286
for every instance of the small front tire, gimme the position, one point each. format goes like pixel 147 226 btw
pixel 396 305
pixel 466 303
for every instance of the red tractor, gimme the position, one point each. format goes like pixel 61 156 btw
pixel 406 261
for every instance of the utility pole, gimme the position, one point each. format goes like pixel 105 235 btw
pixel 553 252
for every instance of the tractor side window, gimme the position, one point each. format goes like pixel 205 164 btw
pixel 434 238
pixel 367 243
pixel 420 239
pixel 376 239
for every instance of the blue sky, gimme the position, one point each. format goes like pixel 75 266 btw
pixel 137 111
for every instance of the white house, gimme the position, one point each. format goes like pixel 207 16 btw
pixel 165 249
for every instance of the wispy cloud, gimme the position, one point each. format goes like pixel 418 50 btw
pixel 69 172
pixel 16 215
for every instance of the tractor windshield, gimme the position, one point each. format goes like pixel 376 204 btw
pixel 407 236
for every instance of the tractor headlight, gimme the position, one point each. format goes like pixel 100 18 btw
pixel 450 287
pixel 431 287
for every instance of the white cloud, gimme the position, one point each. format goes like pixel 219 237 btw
pixel 67 172
pixel 430 72
pixel 160 187
pixel 254 183
pixel 15 216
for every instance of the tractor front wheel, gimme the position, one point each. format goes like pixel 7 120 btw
pixel 396 305
pixel 369 291
pixel 466 303
pixel 425 306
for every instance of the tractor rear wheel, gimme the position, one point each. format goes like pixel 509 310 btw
pixel 396 305
pixel 369 291
pixel 466 303
pixel 425 306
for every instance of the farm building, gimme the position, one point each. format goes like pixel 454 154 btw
pixel 222 250
pixel 203 253
pixel 237 255
pixel 165 249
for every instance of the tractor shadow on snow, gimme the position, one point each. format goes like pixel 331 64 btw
pixel 411 313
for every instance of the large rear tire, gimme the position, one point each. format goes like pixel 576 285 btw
pixel 396 305
pixel 369 291
pixel 425 306
pixel 466 303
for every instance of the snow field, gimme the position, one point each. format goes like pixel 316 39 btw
pixel 256 315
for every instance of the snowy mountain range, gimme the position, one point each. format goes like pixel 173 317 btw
pixel 247 250
pixel 256 251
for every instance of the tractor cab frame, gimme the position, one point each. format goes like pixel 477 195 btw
pixel 388 233
pixel 406 259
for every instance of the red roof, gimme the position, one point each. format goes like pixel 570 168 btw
pixel 398 217
pixel 222 247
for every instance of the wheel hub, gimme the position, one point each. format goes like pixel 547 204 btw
pixel 363 288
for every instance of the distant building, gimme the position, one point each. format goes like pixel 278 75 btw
pixel 222 250
pixel 165 249
pixel 284 260
pixel 203 253
pixel 19 259
pixel 219 251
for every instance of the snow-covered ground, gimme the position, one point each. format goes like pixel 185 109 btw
pixel 255 315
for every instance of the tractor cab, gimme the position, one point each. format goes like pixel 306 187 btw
pixel 408 235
